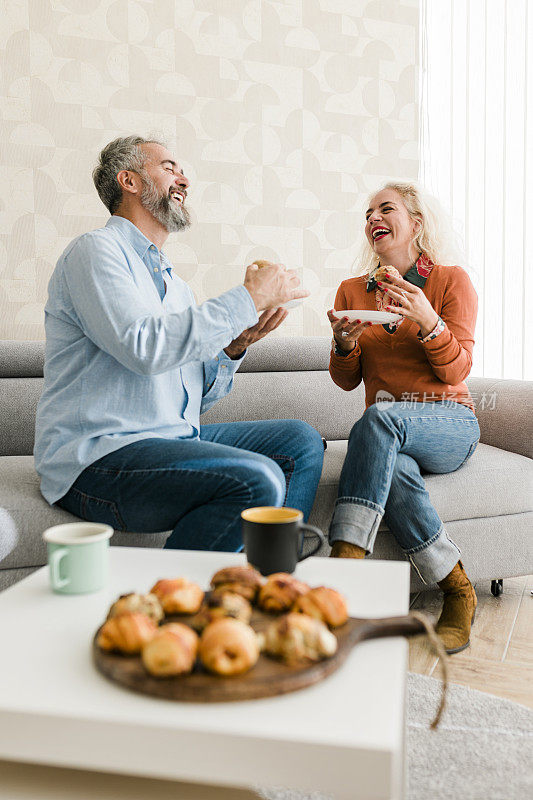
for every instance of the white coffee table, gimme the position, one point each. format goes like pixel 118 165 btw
pixel 344 736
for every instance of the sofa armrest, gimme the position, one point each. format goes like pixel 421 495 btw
pixel 504 410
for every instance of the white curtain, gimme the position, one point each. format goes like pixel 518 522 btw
pixel 476 153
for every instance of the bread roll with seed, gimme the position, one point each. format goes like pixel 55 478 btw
pixel 137 603
pixel 297 638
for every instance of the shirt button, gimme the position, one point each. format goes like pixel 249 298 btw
pixel 156 269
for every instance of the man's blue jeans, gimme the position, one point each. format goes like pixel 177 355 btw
pixel 197 488
pixel 388 448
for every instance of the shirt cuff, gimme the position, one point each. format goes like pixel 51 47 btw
pixel 241 309
pixel 437 330
pixel 233 363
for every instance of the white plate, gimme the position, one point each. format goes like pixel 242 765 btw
pixel 292 303
pixel 384 317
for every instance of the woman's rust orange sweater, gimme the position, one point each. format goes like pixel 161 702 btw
pixel 398 364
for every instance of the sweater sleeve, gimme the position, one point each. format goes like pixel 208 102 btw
pixel 345 370
pixel 450 353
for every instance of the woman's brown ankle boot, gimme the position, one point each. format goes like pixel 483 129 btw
pixel 341 549
pixel 458 611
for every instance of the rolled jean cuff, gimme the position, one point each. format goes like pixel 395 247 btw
pixel 356 521
pixel 435 559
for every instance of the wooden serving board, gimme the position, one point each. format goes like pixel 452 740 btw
pixel 267 678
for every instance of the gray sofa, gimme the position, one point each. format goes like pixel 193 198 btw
pixel 487 505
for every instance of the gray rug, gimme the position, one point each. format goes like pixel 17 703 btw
pixel 482 749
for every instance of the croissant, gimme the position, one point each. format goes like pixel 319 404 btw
pixel 245 581
pixel 171 651
pixel 143 603
pixel 324 604
pixel 228 647
pixel 221 604
pixel 280 592
pixel 178 595
pixel 127 633
pixel 296 638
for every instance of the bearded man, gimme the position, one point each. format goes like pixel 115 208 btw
pixel 132 361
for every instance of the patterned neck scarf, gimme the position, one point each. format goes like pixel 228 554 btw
pixel 417 274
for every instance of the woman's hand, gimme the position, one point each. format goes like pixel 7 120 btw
pixel 413 303
pixel 346 333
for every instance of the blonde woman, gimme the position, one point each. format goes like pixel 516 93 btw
pixel 419 365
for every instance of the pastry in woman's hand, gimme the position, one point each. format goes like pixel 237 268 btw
pixel 382 298
pixel 127 633
pixel 137 603
pixel 171 651
pixel 229 647
pixel 178 595
pixel 221 604
pixel 380 274
pixel 280 592
pixel 324 604
pixel 245 581
pixel 297 638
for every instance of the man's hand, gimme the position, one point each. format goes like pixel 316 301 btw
pixel 272 285
pixel 268 321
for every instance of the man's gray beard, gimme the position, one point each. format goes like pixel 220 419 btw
pixel 170 215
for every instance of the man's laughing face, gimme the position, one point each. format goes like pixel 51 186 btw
pixel 164 188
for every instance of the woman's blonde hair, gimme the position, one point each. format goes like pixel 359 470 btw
pixel 436 238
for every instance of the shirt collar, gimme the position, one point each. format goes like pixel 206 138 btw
pixel 417 274
pixel 136 238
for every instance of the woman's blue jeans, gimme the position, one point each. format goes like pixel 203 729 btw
pixel 388 449
pixel 197 488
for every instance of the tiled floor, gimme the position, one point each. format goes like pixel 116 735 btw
pixel 500 657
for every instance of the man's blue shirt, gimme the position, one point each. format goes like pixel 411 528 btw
pixel 126 360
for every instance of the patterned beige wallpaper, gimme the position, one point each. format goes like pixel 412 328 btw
pixel 284 113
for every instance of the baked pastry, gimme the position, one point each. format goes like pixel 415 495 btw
pixel 296 638
pixel 178 595
pixel 383 299
pixel 127 633
pixel 171 651
pixel 142 603
pixel 280 592
pixel 381 272
pixel 324 604
pixel 245 581
pixel 221 604
pixel 262 263
pixel 229 647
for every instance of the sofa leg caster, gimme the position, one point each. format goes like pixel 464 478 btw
pixel 496 587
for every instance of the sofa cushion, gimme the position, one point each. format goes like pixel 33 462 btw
pixel 493 482
pixel 25 514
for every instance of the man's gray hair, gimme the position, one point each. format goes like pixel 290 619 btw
pixel 124 153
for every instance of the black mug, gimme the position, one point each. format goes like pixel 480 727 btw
pixel 273 537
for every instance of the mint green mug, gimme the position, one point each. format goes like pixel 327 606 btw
pixel 78 556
